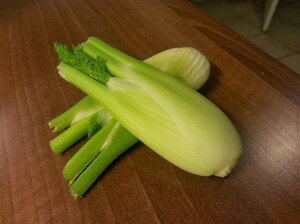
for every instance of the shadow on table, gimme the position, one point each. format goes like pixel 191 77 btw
pixel 212 81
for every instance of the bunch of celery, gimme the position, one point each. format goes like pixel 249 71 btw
pixel 129 98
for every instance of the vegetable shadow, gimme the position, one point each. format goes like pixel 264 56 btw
pixel 128 152
pixel 212 81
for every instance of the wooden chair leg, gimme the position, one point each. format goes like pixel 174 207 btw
pixel 270 7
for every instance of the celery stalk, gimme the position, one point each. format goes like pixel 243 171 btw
pixel 119 141
pixel 85 107
pixel 89 151
pixel 71 135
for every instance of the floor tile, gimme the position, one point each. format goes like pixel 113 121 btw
pixel 285 2
pixel 241 7
pixel 292 61
pixel 289 36
pixel 289 13
pixel 217 11
pixel 256 19
pixel 271 46
pixel 241 26
pixel 280 40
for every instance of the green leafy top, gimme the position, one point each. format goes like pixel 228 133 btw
pixel 95 68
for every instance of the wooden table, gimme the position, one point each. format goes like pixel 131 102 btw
pixel 260 95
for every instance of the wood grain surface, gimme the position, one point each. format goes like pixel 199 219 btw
pixel 260 95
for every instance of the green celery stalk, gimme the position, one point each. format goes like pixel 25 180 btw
pixel 73 134
pixel 85 107
pixel 89 151
pixel 119 141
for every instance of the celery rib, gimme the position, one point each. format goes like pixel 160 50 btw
pixel 88 152
pixel 70 136
pixel 119 141
pixel 85 107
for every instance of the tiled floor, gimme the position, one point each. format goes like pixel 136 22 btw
pixel 281 40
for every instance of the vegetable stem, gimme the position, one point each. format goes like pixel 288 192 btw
pixel 70 136
pixel 119 141
pixel 89 151
pixel 85 107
